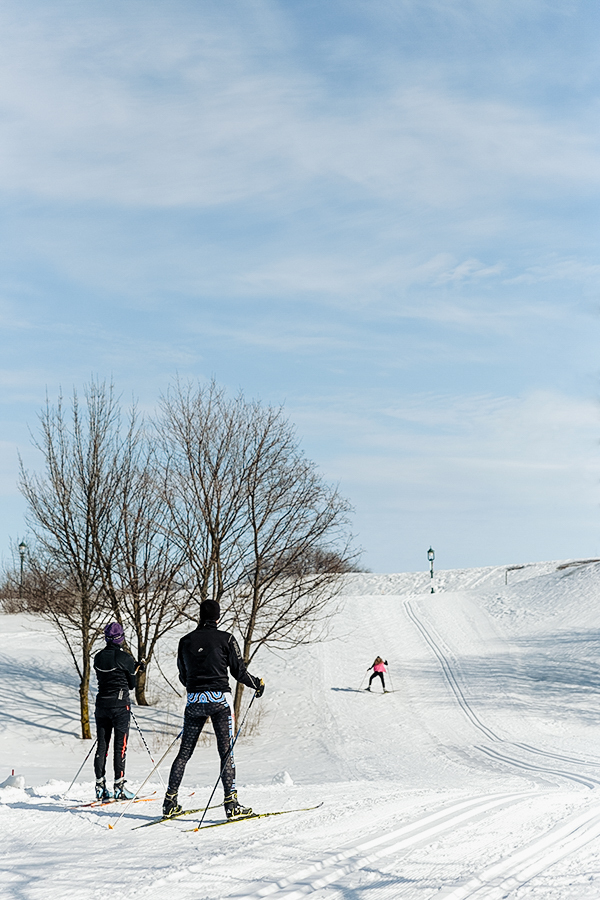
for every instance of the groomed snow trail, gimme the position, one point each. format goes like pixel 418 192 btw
pixel 477 778
pixel 360 854
pixel 450 669
pixel 510 871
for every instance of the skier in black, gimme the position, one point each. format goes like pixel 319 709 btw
pixel 115 670
pixel 203 658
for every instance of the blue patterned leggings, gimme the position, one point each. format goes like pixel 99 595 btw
pixel 215 706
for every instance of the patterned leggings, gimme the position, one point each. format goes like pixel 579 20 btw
pixel 194 719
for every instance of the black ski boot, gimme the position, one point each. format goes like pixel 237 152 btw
pixel 170 805
pixel 233 808
pixel 121 792
pixel 102 792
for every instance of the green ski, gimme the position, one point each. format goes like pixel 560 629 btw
pixel 184 812
pixel 280 812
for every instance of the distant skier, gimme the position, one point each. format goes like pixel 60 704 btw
pixel 203 658
pixel 115 670
pixel 378 670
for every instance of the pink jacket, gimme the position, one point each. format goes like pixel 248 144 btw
pixel 379 667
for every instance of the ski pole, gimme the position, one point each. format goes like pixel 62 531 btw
pixel 363 681
pixel 229 752
pixel 391 681
pixel 146 746
pixel 152 771
pixel 81 766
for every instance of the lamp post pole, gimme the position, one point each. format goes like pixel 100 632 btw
pixel 22 552
pixel 431 557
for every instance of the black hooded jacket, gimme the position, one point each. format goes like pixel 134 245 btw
pixel 204 656
pixel 115 671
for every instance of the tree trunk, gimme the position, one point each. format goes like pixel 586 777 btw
pixel 140 689
pixel 237 703
pixel 239 691
pixel 84 699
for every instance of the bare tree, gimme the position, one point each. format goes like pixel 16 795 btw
pixel 253 516
pixel 204 439
pixel 222 505
pixel 296 544
pixel 140 565
pixel 67 514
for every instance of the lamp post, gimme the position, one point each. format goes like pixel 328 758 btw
pixel 431 557
pixel 22 552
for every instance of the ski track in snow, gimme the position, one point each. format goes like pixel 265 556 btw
pixel 360 854
pixel 413 843
pixel 444 656
pixel 499 879
pixel 495 880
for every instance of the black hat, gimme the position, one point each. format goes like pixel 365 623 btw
pixel 210 611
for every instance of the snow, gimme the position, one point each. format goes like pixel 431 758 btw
pixel 477 777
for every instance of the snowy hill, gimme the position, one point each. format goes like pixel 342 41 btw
pixel 477 777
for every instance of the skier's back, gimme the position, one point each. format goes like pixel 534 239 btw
pixel 203 658
pixel 115 670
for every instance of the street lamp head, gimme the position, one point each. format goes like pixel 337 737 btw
pixel 22 549
pixel 430 554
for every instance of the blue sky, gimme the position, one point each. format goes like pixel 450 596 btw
pixel 382 215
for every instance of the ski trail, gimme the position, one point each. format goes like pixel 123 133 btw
pixel 495 881
pixel 445 659
pixel 513 761
pixel 571 759
pixel 356 856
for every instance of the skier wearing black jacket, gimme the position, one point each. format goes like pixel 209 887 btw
pixel 115 670
pixel 203 659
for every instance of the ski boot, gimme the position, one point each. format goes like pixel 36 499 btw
pixel 367 689
pixel 102 792
pixel 121 792
pixel 170 805
pixel 233 808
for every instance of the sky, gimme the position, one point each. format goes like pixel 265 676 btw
pixel 381 215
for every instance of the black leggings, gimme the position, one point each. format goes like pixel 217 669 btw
pixel 194 720
pixel 107 719
pixel 374 675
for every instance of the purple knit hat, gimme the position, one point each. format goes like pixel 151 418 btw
pixel 114 633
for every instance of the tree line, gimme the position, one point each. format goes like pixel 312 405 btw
pixel 142 518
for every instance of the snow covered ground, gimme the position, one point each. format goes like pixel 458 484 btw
pixel 477 777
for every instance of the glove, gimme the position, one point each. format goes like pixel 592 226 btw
pixel 261 688
pixel 141 666
pixel 386 662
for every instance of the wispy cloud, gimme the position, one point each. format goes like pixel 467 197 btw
pixel 132 112
pixel 381 213
pixel 425 467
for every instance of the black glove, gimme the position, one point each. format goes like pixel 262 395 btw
pixel 141 666
pixel 261 688
pixel 386 662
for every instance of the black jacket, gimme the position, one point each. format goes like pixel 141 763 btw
pixel 204 656
pixel 115 671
